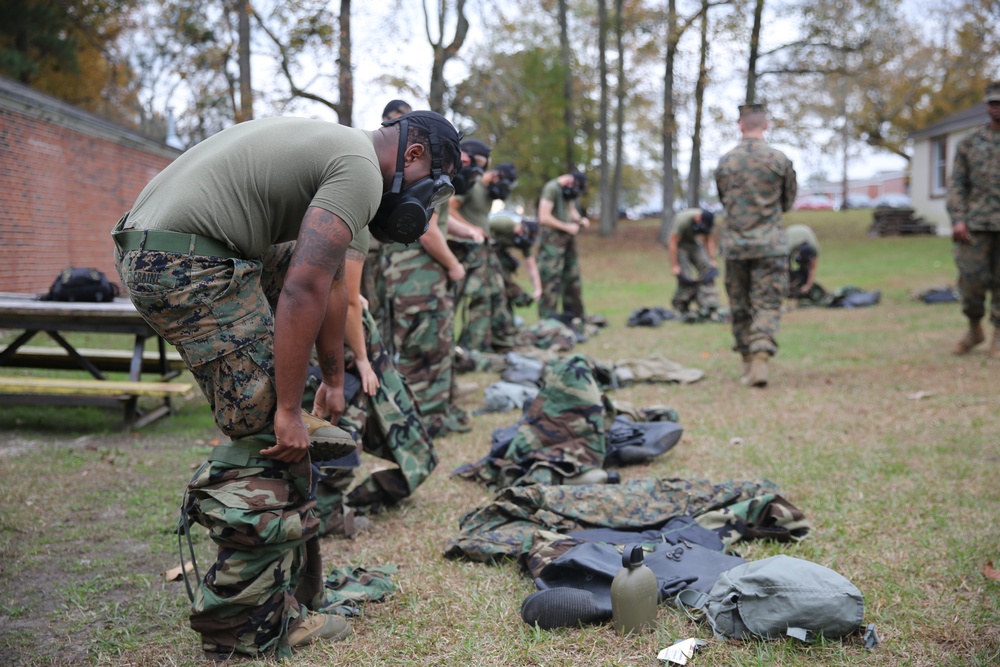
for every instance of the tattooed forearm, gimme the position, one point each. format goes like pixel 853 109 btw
pixel 355 255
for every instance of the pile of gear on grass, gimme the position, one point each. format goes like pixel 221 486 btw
pixel 565 517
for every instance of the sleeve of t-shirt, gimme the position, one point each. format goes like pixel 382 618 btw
pixel 550 192
pixel 361 241
pixel 351 189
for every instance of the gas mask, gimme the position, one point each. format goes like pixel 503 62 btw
pixel 466 178
pixel 529 230
pixel 500 189
pixel 570 191
pixel 405 213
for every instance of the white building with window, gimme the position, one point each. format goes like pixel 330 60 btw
pixel 933 156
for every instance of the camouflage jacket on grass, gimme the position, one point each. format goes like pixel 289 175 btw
pixel 562 434
pixel 508 527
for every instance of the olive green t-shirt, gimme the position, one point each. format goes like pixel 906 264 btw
pixel 249 186
pixel 361 241
pixel 552 192
pixel 502 229
pixel 684 225
pixel 799 234
pixel 476 205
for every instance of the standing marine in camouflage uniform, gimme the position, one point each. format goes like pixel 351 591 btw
pixel 419 281
pixel 205 256
pixel 692 261
pixel 558 261
pixel 974 207
pixel 510 232
pixel 756 184
pixel 487 325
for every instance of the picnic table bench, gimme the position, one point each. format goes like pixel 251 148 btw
pixel 24 312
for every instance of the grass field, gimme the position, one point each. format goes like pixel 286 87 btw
pixel 890 445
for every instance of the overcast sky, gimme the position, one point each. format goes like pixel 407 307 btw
pixel 397 45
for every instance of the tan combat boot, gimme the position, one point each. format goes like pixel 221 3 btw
pixel 328 441
pixel 973 337
pixel 747 358
pixel 315 626
pixel 757 377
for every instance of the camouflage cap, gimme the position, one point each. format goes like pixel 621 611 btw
pixel 993 92
pixel 747 109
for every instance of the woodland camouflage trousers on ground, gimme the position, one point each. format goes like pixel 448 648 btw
pixel 756 288
pixel 559 270
pixel 978 265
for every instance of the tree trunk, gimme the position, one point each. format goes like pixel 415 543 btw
pixel 345 78
pixel 694 174
pixel 246 90
pixel 442 53
pixel 616 187
pixel 669 123
pixel 567 85
pixel 758 12
pixel 607 213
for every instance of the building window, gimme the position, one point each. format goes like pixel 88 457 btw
pixel 939 166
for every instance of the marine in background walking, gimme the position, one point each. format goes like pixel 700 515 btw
pixel 756 185
pixel 974 207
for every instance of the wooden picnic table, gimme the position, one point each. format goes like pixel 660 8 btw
pixel 25 313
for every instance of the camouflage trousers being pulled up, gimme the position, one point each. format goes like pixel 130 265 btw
pixel 259 513
pixel 978 265
pixel 219 314
pixel 421 311
pixel 559 270
pixel 694 262
pixel 389 426
pixel 756 288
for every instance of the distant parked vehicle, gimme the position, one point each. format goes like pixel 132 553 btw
pixel 857 201
pixel 893 201
pixel 813 203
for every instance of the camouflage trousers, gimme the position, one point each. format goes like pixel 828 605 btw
pixel 559 269
pixel 487 323
pixel 389 426
pixel 219 314
pixel 978 265
pixel 756 288
pixel 259 512
pixel 693 260
pixel 421 312
pixel 373 285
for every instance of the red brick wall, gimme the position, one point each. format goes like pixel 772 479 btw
pixel 62 188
